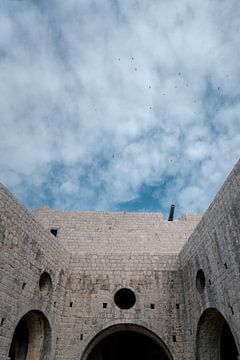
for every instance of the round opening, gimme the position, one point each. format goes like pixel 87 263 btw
pixel 200 281
pixel 125 298
pixel 45 283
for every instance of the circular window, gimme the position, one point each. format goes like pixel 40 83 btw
pixel 45 283
pixel 200 281
pixel 125 298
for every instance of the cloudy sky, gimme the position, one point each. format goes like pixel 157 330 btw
pixel 119 104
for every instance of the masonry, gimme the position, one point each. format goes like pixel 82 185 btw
pixel 102 286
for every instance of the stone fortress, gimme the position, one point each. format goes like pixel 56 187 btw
pixel 120 286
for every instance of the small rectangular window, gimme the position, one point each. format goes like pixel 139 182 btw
pixel 152 306
pixel 54 231
pixel 104 305
pixel 174 338
pixel 71 304
pixel 177 306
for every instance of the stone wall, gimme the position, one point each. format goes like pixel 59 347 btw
pixel 91 288
pixel 96 254
pixel 213 247
pixel 104 232
pixel 26 251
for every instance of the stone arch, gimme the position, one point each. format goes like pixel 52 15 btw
pixel 214 340
pixel 31 338
pixel 115 336
pixel 45 283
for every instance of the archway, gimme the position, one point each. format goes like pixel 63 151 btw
pixel 31 338
pixel 128 342
pixel 215 340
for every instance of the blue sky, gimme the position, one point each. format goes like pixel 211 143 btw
pixel 119 105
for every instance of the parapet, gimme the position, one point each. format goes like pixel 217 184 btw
pixel 117 232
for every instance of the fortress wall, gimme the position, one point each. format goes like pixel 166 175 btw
pixel 214 247
pixel 102 232
pixel 94 280
pixel 26 250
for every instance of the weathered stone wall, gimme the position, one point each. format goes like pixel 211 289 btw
pixel 112 251
pixel 96 254
pixel 26 251
pixel 214 247
pixel 104 232
pixel 93 282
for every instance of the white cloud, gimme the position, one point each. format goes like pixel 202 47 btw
pixel 99 99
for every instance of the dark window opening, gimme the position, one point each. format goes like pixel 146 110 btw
pixel 231 308
pixel 71 304
pixel 174 338
pixel 54 231
pixel 81 336
pixel 125 298
pixel 152 306
pixel 210 283
pixel 177 306
pixel 200 281
pixel 104 305
pixel 23 285
pixel 225 265
pixel 2 322
pixel 55 303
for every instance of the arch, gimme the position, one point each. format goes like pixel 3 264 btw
pixel 45 283
pixel 114 338
pixel 214 340
pixel 31 338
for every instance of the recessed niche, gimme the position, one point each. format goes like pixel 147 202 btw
pixel 45 283
pixel 152 306
pixel 104 305
pixel 200 281
pixel 125 298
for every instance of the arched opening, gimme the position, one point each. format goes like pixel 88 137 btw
pixel 214 338
pixel 128 342
pixel 31 338
pixel 200 281
pixel 45 283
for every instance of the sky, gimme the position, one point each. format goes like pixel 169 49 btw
pixel 119 105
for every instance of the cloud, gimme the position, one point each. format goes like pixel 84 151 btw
pixel 103 100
